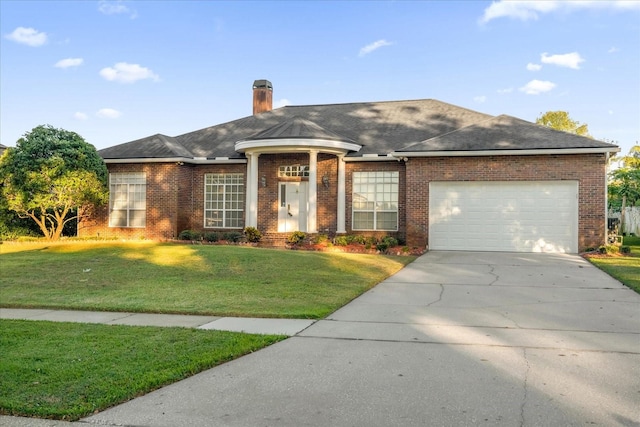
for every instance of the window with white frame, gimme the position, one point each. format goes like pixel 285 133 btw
pixel 128 199
pixel 293 170
pixel 223 200
pixel 375 201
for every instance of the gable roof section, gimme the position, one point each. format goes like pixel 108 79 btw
pixel 297 128
pixel 504 134
pixel 155 146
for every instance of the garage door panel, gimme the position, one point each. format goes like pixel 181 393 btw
pixel 503 216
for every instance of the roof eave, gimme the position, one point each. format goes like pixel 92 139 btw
pixel 532 152
pixel 295 144
pixel 188 160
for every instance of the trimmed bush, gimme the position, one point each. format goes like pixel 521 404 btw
pixel 185 235
pixel 211 236
pixel 252 234
pixel 625 249
pixel 233 236
pixel 608 249
pixel 341 241
pixel 296 237
pixel 386 243
pixel 320 238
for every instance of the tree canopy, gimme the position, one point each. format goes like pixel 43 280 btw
pixel 624 185
pixel 560 120
pixel 53 176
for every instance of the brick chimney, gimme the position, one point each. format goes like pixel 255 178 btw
pixel 262 96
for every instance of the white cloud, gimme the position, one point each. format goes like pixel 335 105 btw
pixel 534 67
pixel 69 62
pixel 116 7
pixel 28 36
pixel 373 46
pixel 128 73
pixel 536 87
pixel 281 103
pixel 480 99
pixel 108 113
pixel 80 116
pixel 506 90
pixel 531 9
pixel 569 60
pixel 613 50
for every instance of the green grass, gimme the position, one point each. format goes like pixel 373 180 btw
pixel 189 279
pixel 626 269
pixel 67 371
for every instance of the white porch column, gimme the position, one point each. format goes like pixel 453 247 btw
pixel 341 226
pixel 252 191
pixel 312 223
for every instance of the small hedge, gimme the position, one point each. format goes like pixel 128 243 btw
pixel 296 237
pixel 252 234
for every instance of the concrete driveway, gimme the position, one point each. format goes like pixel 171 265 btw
pixel 454 339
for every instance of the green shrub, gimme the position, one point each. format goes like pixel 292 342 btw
pixel 185 235
pixel 320 239
pixel 625 249
pixel 358 238
pixel 608 249
pixel 14 233
pixel 252 234
pixel 296 237
pixel 386 243
pixel 341 241
pixel 211 236
pixel 233 236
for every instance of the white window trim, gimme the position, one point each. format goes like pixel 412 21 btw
pixel 375 211
pixel 225 209
pixel 128 209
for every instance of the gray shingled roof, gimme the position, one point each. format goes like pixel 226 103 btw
pixel 297 128
pixel 380 127
pixel 504 133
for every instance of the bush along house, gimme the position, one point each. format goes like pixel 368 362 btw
pixel 429 173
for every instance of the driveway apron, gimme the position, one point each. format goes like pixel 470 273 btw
pixel 453 339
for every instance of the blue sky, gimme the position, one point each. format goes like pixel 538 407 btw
pixel 115 71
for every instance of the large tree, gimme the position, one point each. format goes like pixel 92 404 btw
pixel 53 176
pixel 560 120
pixel 624 184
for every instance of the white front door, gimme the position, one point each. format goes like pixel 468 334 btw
pixel 292 207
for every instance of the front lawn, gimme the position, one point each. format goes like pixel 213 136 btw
pixel 626 269
pixel 67 370
pixel 188 279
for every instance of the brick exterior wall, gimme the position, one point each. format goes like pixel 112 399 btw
pixel 588 169
pixel 175 192
pixel 168 187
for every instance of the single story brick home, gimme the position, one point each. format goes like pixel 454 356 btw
pixel 432 174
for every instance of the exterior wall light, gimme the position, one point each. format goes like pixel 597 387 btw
pixel 325 181
pixel 263 181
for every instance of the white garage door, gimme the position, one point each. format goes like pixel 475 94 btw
pixel 537 216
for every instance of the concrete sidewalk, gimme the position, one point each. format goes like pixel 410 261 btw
pixel 287 327
pixel 453 339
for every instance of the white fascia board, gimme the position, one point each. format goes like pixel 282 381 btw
pixel 541 152
pixel 372 159
pixel 196 161
pixel 295 144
